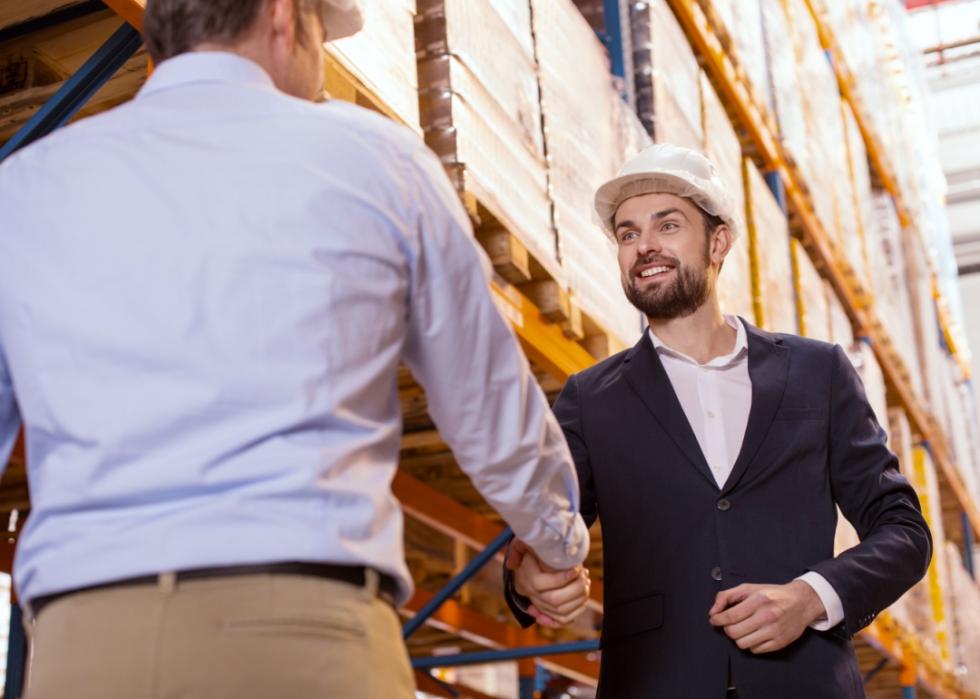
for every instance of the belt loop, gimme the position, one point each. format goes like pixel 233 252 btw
pixel 372 579
pixel 167 582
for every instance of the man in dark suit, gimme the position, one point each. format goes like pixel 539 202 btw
pixel 716 455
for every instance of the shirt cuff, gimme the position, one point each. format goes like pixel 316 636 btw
pixel 832 605
pixel 558 551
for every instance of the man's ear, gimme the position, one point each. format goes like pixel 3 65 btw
pixel 721 242
pixel 282 19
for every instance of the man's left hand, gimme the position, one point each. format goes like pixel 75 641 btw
pixel 766 618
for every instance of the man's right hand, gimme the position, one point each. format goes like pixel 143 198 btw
pixel 557 596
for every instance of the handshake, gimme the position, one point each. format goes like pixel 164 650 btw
pixel 556 597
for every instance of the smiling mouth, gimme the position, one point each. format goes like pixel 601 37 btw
pixel 654 272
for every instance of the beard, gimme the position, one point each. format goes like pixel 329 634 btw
pixel 681 297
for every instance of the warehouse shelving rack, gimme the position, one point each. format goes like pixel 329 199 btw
pixel 552 351
pixel 898 645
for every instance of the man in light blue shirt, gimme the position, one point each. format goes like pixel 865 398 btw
pixel 205 295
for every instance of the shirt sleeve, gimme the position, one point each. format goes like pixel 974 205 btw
pixel 832 605
pixel 482 394
pixel 9 415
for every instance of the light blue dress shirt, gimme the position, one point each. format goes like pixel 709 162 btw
pixel 204 298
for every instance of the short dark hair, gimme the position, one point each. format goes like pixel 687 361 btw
pixel 173 27
pixel 711 222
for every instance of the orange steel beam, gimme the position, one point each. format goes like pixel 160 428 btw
pixel 130 10
pixel 486 631
pixel 442 513
pixel 544 343
pixel 754 118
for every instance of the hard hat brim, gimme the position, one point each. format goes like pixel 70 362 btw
pixel 609 197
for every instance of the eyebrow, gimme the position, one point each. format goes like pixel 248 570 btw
pixel 657 216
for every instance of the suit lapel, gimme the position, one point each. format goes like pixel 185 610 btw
pixel 645 374
pixel 768 371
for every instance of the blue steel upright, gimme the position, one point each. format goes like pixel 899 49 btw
pixel 613 36
pixel 78 89
pixel 413 624
pixel 775 183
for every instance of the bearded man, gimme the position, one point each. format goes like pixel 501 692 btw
pixel 716 456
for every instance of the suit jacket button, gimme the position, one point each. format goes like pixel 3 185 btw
pixel 724 505
pixel 716 573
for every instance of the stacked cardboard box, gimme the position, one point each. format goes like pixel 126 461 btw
pixel 668 98
pixel 770 242
pixel 826 159
pixel 481 112
pixel 382 56
pixel 811 293
pixel 786 81
pixel 722 148
pixel 742 20
pixel 927 605
pixel 889 276
pixel 589 132
pixel 864 360
pixel 961 427
pixel 858 214
pixel 810 120
pixel 841 330
pixel 927 336
pixel 965 611
pixel 896 423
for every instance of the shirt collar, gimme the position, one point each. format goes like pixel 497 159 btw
pixel 738 351
pixel 206 66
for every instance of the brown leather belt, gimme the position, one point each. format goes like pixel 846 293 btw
pixel 355 575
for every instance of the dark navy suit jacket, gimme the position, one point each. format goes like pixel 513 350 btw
pixel 672 539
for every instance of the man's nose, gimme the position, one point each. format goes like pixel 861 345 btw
pixel 649 243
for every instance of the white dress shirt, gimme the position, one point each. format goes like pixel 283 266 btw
pixel 204 299
pixel 716 398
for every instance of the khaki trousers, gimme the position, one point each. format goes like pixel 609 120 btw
pixel 281 636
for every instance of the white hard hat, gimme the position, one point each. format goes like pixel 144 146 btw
pixel 663 168
pixel 341 18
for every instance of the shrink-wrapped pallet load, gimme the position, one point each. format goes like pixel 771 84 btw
pixel 813 314
pixel 722 148
pixel 858 212
pixel 786 80
pixel 841 330
pixel 769 229
pixel 889 276
pixel 864 360
pixel 589 133
pixel 927 606
pixel 382 56
pixel 481 112
pixel 742 20
pixel 964 611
